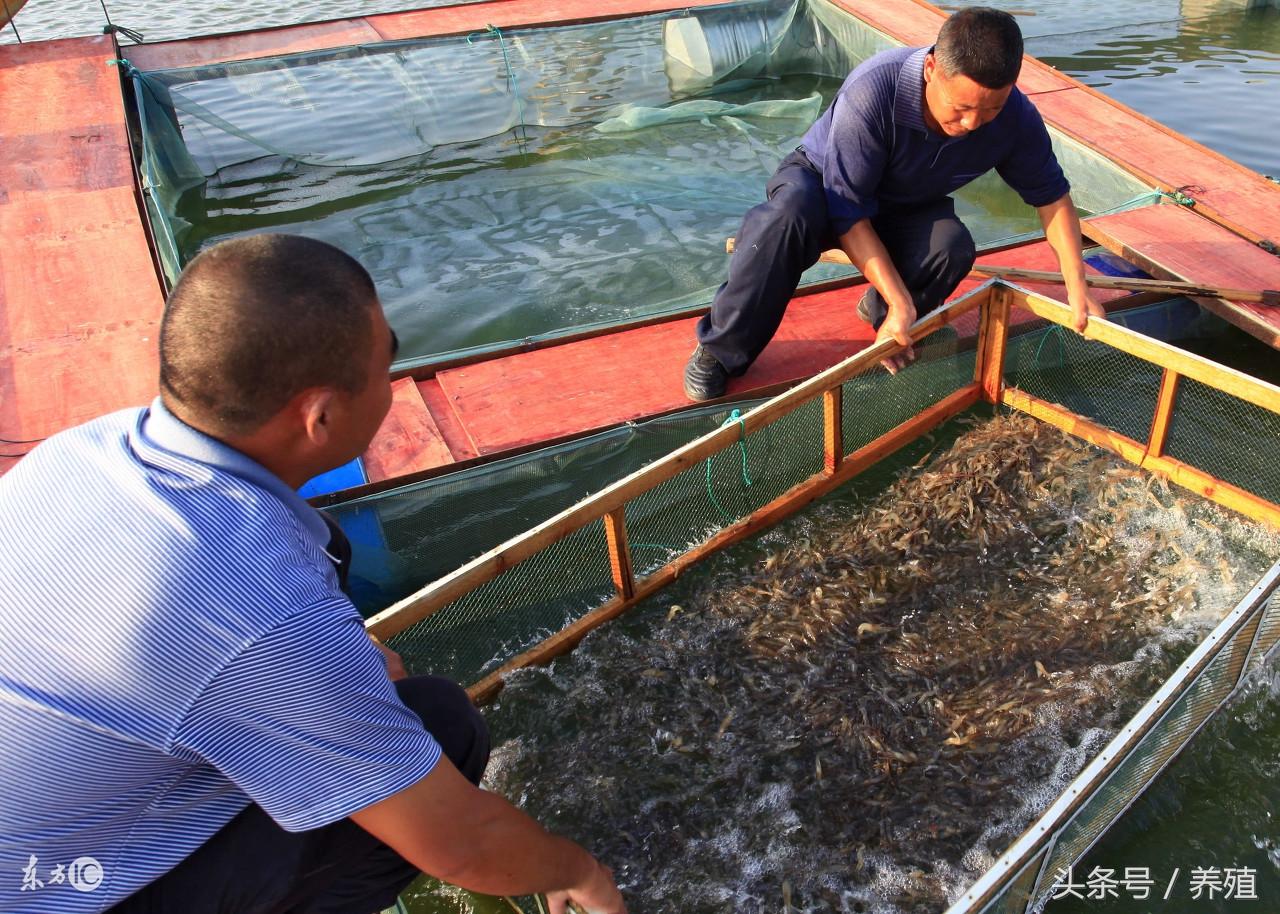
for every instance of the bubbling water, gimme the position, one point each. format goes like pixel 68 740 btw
pixel 864 719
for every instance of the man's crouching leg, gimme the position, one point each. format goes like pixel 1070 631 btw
pixel 253 866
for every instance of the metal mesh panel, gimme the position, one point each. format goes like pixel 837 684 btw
pixel 1014 896
pixel 1268 633
pixel 688 508
pixel 875 401
pixel 523 605
pixel 1092 379
pixel 1206 692
pixel 1226 437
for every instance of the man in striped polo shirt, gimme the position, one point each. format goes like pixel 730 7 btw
pixel 194 718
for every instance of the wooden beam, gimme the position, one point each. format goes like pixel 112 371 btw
pixel 832 429
pixel 1177 472
pixel 1162 286
pixel 993 334
pixel 486 567
pixel 1074 424
pixel 615 531
pixel 1187 364
pixel 762 518
pixel 1224 493
pixel 1163 414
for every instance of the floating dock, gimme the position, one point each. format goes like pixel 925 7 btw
pixel 81 294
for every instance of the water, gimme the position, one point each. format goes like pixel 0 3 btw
pixel 1214 76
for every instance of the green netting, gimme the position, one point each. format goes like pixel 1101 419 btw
pixel 510 185
pixel 688 508
pixel 514 611
pixel 1092 379
pixel 875 401
pixel 1226 437
pixel 411 536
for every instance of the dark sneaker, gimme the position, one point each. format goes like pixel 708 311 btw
pixel 866 307
pixel 704 377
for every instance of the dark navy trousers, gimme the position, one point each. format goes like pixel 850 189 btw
pixel 782 237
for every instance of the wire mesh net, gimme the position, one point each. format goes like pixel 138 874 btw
pixel 409 537
pixel 522 606
pixel 493 183
pixel 875 401
pixel 691 506
pixel 1227 438
pixel 1093 380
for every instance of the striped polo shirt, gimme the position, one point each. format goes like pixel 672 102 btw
pixel 173 647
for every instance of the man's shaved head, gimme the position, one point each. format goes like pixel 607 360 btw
pixel 255 321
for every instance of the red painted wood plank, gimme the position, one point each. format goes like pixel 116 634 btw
pixel 1153 152
pixel 293 39
pixel 451 428
pixel 75 265
pixel 466 17
pixel 408 440
pixel 80 301
pixel 58 86
pixel 1173 242
pixel 50 385
pixel 580 387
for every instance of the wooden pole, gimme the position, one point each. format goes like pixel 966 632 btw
pixel 615 531
pixel 1166 286
pixel 1163 414
pixel 832 429
pixel 993 333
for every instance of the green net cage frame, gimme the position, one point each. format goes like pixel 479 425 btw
pixel 1049 372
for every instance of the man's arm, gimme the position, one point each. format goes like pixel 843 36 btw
pixel 1062 230
pixel 462 835
pixel 869 255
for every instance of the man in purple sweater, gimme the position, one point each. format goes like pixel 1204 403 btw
pixel 909 127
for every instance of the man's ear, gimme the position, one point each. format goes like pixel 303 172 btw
pixel 315 408
pixel 929 66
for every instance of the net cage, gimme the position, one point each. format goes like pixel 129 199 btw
pixel 536 595
pixel 512 186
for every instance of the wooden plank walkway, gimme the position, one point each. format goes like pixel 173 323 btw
pixel 1172 242
pixel 80 300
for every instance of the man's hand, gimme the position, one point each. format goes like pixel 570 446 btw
pixel 1083 307
pixel 599 896
pixel 897 326
pixel 395 666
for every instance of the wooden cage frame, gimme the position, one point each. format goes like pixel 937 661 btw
pixel 994 299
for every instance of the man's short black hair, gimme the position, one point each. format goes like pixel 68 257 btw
pixel 981 43
pixel 254 321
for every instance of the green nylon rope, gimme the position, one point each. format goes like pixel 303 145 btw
pixel 493 31
pixel 735 416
